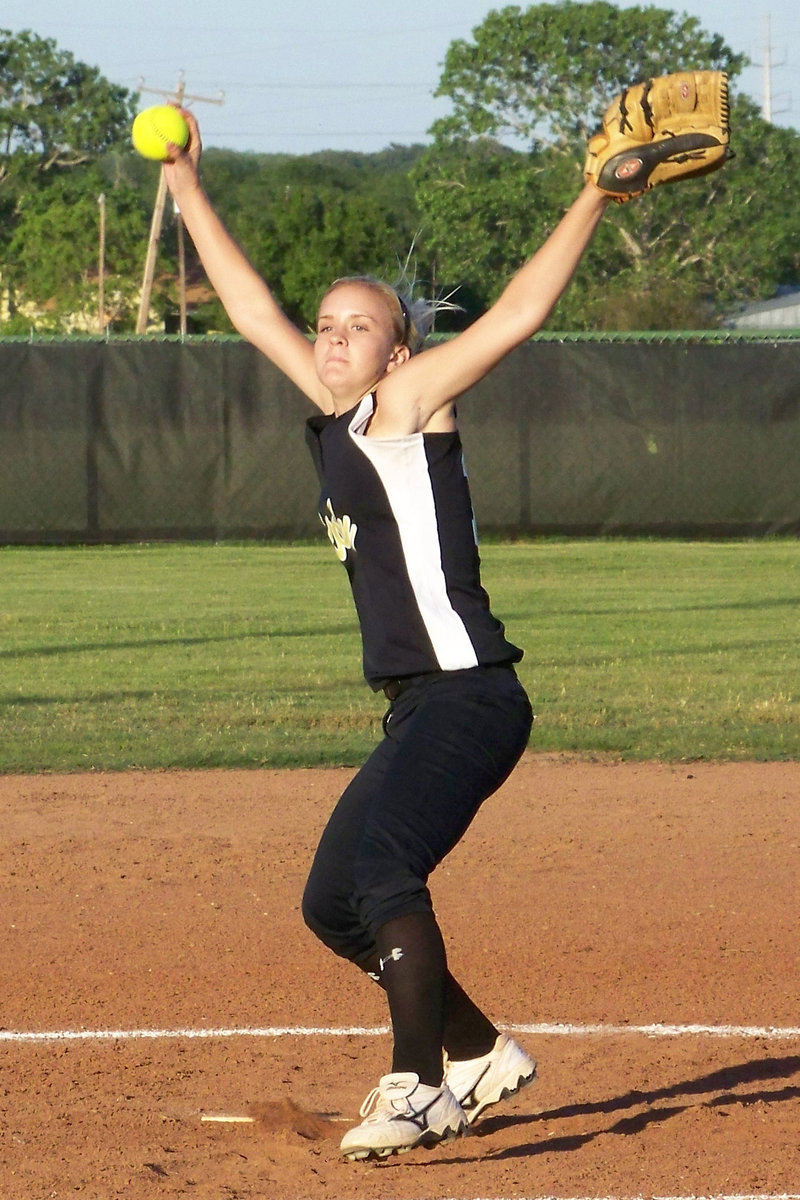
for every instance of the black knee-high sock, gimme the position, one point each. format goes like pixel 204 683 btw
pixel 413 970
pixel 468 1032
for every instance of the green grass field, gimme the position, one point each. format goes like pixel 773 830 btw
pixel 164 656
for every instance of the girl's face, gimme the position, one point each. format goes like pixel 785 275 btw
pixel 357 343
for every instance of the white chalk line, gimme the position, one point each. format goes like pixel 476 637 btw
pixel 771 1033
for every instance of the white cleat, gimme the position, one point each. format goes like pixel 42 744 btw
pixel 479 1082
pixel 401 1113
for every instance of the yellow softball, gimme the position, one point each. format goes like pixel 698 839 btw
pixel 155 127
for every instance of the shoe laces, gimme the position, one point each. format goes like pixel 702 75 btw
pixel 378 1105
pixel 370 1103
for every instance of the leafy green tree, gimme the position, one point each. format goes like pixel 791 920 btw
pixel 58 119
pixel 544 75
pixel 526 93
pixel 53 252
pixel 307 220
pixel 685 255
pixel 55 111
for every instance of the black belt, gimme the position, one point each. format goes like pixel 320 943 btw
pixel 394 687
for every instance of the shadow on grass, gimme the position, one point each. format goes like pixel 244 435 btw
pixel 151 643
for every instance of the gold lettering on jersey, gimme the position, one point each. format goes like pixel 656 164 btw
pixel 341 531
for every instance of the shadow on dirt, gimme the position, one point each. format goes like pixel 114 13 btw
pixel 721 1089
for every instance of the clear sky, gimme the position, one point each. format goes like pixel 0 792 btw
pixel 301 75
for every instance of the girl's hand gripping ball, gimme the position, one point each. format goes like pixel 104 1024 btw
pixel 155 128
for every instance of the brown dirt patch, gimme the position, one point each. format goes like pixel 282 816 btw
pixel 590 895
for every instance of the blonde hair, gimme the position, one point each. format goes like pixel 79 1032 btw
pixel 413 317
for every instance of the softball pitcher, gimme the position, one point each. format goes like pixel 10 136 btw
pixel 396 506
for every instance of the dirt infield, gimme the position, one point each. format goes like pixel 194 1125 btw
pixel 585 898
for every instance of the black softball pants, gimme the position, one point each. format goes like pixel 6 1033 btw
pixel 451 739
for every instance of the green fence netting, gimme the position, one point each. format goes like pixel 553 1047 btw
pixel 141 439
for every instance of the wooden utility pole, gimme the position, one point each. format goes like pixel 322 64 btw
pixel 152 252
pixel 178 96
pixel 101 266
pixel 766 107
pixel 181 270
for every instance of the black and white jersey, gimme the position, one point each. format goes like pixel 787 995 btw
pixel 399 516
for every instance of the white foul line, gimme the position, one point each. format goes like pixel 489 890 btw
pixel 763 1032
pixel 105 1035
pixel 770 1032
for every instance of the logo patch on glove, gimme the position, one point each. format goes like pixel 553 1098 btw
pixel 628 168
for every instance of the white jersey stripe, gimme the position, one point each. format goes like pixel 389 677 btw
pixel 402 467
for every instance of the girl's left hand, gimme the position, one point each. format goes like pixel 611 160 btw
pixel 183 166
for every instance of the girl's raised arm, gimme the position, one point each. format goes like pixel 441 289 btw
pixel 245 296
pixel 431 381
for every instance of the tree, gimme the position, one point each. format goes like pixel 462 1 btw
pixel 543 75
pixel 59 119
pixel 55 112
pixel 303 221
pixel 504 166
pixel 693 252
pixel 52 253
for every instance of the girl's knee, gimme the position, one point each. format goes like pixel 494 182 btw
pixel 391 893
pixel 341 931
pixel 317 910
